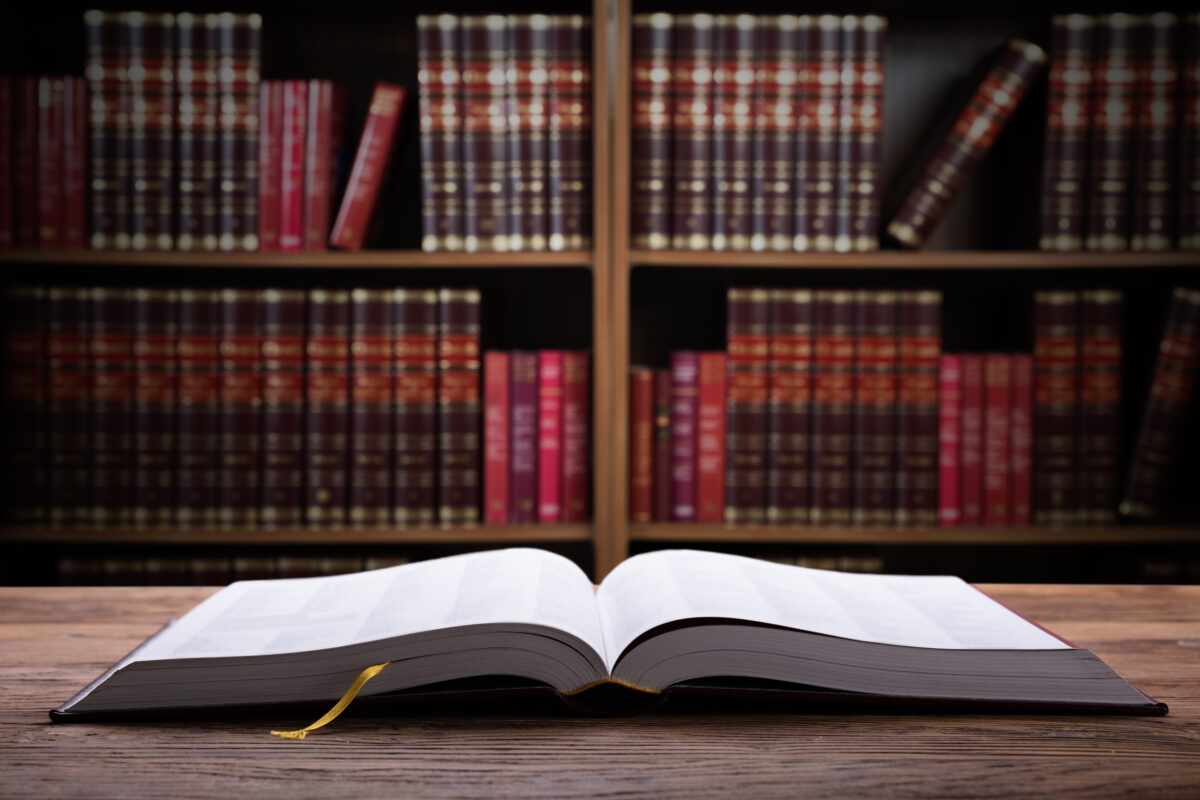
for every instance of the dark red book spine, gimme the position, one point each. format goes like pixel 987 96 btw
pixel 371 383
pixel 650 132
pixel 733 129
pixel 414 422
pixel 523 475
pixel 155 393
pixel 848 105
pixel 485 162
pixel 818 140
pixel 710 439
pixel 1155 114
pixel 239 39
pixel 874 456
pixel 662 445
pixel 209 96
pixel 997 434
pixel 919 323
pixel 68 392
pixel 1099 405
pixel 191 74
pixel 270 163
pixel 110 368
pixel 326 106
pixel 74 169
pixel 370 164
pixel 7 107
pixel 685 377
pixel 199 407
pixel 550 435
pixel 570 124
pixel 283 406
pixel 748 348
pixel 327 406
pixel 528 108
pixel 106 75
pixel 150 64
pixel 1189 137
pixel 240 444
pixel 972 440
pixel 49 161
pixel 439 79
pixel 1171 393
pixel 576 484
pixel 641 445
pixel 25 185
pixel 1111 160
pixel 789 405
pixel 496 430
pixel 781 42
pixel 23 351
pixel 950 409
pixel 833 403
pixel 866 137
pixel 291 166
pixel 459 448
pixel 970 138
pixel 1068 121
pixel 1056 399
pixel 691 103
pixel 1020 456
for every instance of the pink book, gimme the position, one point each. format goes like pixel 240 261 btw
pixel 1020 482
pixel 576 425
pixel 550 435
pixel 291 166
pixel 270 150
pixel 685 367
pixel 971 454
pixel 495 438
pixel 949 441
pixel 997 404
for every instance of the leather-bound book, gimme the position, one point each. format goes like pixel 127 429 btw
pixel 1068 122
pixel 155 395
pixel 772 149
pixel 867 133
pixel 550 435
pixel 733 129
pixel 849 100
pixel 747 345
pixel 972 439
pixel 150 83
pixel 270 163
pixel 323 132
pixel 459 446
pixel 6 161
pixel 283 332
pixel 106 75
pixel 110 373
pixel 576 426
pixel 68 391
pixel 685 390
pixel 919 329
pixel 25 179
pixel 49 160
pixel 74 167
pixel 1171 394
pixel 210 139
pixel 485 152
pixel 570 124
pixel 650 132
pixel 439 94
pixel 970 138
pixel 1189 136
pixel 818 143
pixel 1155 116
pixel 239 47
pixel 874 459
pixel 327 406
pixel 691 103
pixel 1056 405
pixel 523 474
pixel 997 435
pixel 662 446
pixel 950 441
pixel 1111 160
pixel 1099 405
pixel 528 106
pixel 370 167
pixel 789 405
pixel 196 112
pixel 1020 452
pixel 291 166
pixel 23 398
pixel 414 410
pixel 240 444
pixel 710 438
pixel 833 404
pixel 371 382
pixel 199 413
pixel 641 445
pixel 496 430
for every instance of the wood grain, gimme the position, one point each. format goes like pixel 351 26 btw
pixel 911 534
pixel 921 259
pixel 363 259
pixel 303 534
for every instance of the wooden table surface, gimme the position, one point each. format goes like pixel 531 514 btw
pixel 54 640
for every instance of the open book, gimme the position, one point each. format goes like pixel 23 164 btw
pixel 672 620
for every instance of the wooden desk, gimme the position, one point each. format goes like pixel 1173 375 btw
pixel 53 641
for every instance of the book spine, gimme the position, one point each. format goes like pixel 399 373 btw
pixel 7 107
pixel 151 85
pixel 733 129
pixel 1189 136
pixel 208 95
pixel 789 405
pixel 291 166
pixel 873 460
pixel 24 404
pixel 1167 402
pixel 68 394
pixel 270 163
pixel 105 76
pixel 691 101
pixel 485 167
pixel 240 56
pixel 49 160
pixel 972 440
pixel 641 445
pixel 439 95
pixel 190 68
pixel 848 105
pixel 997 433
pixel 920 343
pixel 1111 159
pixel 523 473
pixel 74 179
pixel 1099 405
pixel 662 445
pixel 650 132
pixel 973 133
pixel 1152 226
pixel 710 438
pixel 550 435
pixel 570 123
pixel 110 368
pixel 240 443
pixel 25 184
pixel 414 421
pixel 950 391
pixel 685 375
pixel 318 152
pixel 1020 477
pixel 772 140
pixel 458 406
pixel 748 350
pixel 370 164
pixel 867 133
pixel 496 429
pixel 282 333
pixel 833 403
pixel 327 406
pixel 199 412
pixel 1056 397
pixel 371 382
pixel 155 394
pixel 1068 121
pixel 818 144
pixel 576 490
pixel 528 108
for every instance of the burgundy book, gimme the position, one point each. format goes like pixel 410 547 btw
pixel 997 434
pixel 1056 399
pixel 106 75
pixel 848 102
pixel 789 405
pixel 781 45
pixel 662 446
pixel 291 166
pixel 6 161
pixel 523 477
pixel 710 439
pixel 327 406
pixel 1020 454
pixel 691 104
pixel 239 45
pixel 641 445
pixel 874 456
pixel 528 110
pixel 68 390
pixel 25 183
pixel 867 132
pixel 1099 405
pixel 650 132
pixel 685 389
pixel 833 404
pixel 570 124
pixel 196 112
pixel 282 332
pixel 270 163
pixel 972 439
pixel 439 80
pixel 370 167
pixel 485 161
pixel 1111 159
pixel 239 446
pixel 919 331
pixel 155 394
pixel 817 143
pixel 1155 117
pixel 1189 136
pixel 733 129
pixel 970 138
pixel 371 384
pixel 74 166
pixel 415 405
pixel 1167 403
pixel 496 430
pixel 150 86
pixel 459 448
pixel 576 480
pixel 550 435
pixel 323 132
pixel 23 392
pixel 1068 122
pixel 747 320
pixel 950 441
pixel 199 413
pixel 49 160
pixel 110 370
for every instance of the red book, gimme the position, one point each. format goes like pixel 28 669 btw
pixel 685 379
pixel 68 395
pixel 291 166
pixel 641 445
pixel 74 169
pixel 371 382
pixel 1020 457
pixel 326 113
pixel 25 184
pixel 49 161
pixel 997 400
pixel 971 489
pixel 370 167
pixel 240 448
pixel 496 407
pixel 270 156
pixel 662 445
pixel 710 439
pixel 6 165
pixel 1099 405
pixel 327 405
pixel 110 368
pixel 414 412
pixel 199 407
pixel 283 406
pixel 576 428
pixel 523 438
pixel 550 431
pixel 155 391
pixel 950 387
pixel 458 406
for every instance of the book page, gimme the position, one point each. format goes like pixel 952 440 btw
pixel 657 588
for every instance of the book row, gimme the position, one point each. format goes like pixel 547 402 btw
pixel 207 570
pixel 505 115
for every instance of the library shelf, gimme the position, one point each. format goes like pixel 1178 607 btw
pixel 299 534
pixel 919 259
pixel 362 259
pixel 915 534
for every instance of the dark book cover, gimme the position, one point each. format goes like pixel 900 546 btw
pixel 662 446
pixel 283 330
pixel 327 406
pixel 1189 136
pixel 150 84
pixel 106 75
pixel 747 346
pixel 49 161
pixel 641 445
pixel 867 134
pixel 577 427
pixel 919 333
pixel 528 106
pixel 691 103
pixel 1110 162
pixel 997 435
pixel 240 443
pixel 323 131
pixel 650 132
pixel 239 38
pixel 7 108
pixel 874 457
pixel 497 426
pixel 485 153
pixel 849 101
pixel 24 356
pixel 25 151
pixel 291 166
pixel 440 108
pixel 789 405
pixel 523 475
pixel 950 407
pixel 685 390
pixel 1068 123
pixel 74 166
pixel 819 139
pixel 270 163
pixel 772 149
pixel 414 415
pixel 155 394
pixel 550 435
pixel 833 404
pixel 1155 118
pixel 1020 453
pixel 110 370
pixel 459 446
pixel 371 383
pixel 570 123
pixel 199 412
pixel 1056 405
pixel 1099 405
pixel 736 64
pixel 196 112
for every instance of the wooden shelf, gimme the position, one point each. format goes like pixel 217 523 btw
pixel 300 534
pixel 847 534
pixel 364 259
pixel 932 259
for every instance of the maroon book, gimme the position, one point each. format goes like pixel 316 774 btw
pixel 972 439
pixel 49 160
pixel 662 446
pixel 370 406
pixel 789 405
pixel 1189 137
pixel 110 369
pixel 270 163
pixel 641 444
pixel 74 167
pixel 459 449
pixel 650 132
pixel 283 406
pixel 874 458
pixel 782 42
pixel 866 148
pixel 150 87
pixel 833 402
pixel 570 123
pixel 550 435
pixel 327 406
pixel 818 141
pixel 523 439
pixel 196 112
pixel 1056 398
pixel 155 392
pixel 199 412
pixel 691 103
pixel 25 181
pixel 414 421
pixel 1020 454
pixel 1099 404
pixel 6 161
pixel 747 347
pixel 577 426
pixel 997 436
pixel 106 75
pixel 440 110
pixel 1068 122
pixel 239 38
pixel 240 449
pixel 326 119
pixel 528 106
pixel 919 333
pixel 291 166
pixel 844 184
pixel 370 167
pixel 484 162
pixel 1111 158
pixel 68 390
pixel 496 431
pixel 23 392
pixel 1155 117
pixel 733 129
pixel 685 372
pixel 950 441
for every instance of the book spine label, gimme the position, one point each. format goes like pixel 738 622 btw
pixel 1189 136
pixel 439 95
pixel 458 405
pixel 106 75
pixel 685 376
pixel 772 145
pixel 6 162
pixel 576 489
pixel 833 403
pixel 370 164
pixel 523 474
pixel 155 394
pixel 550 435
pixel 415 352
pixel 370 406
pixel 818 143
pixel 997 433
pixel 270 163
pixel 1109 176
pixel 733 129
pixel 327 406
pixel 789 405
pixel 25 184
pixel 240 447
pixel 972 440
pixel 950 398
pixel 748 350
pixel 972 135
pixel 1020 458
pixel 691 101
pixel 1068 120
pixel 283 406
pixel 650 132
pixel 1152 226
pixel 866 136
pixel 1056 398
pixel 1099 405
pixel 23 393
pixel 74 178
pixel 496 428
pixel 318 172
pixel 570 123
pixel 199 407
pixel 68 392
pixel 710 439
pixel 291 166
pixel 485 167
pixel 49 161
pixel 920 344
pixel 874 467
pixel 110 368
pixel 528 106
pixel 662 445
pixel 641 445
pixel 239 38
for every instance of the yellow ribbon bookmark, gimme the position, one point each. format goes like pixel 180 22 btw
pixel 338 707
